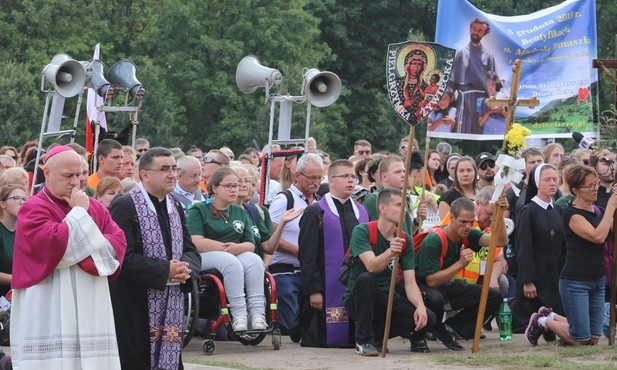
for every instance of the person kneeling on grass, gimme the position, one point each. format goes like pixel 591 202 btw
pixel 366 296
pixel 582 279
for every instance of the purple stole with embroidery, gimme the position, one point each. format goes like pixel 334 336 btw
pixel 166 307
pixel 337 321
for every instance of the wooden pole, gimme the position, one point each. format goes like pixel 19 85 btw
pixel 497 224
pixel 427 148
pixel 496 230
pixel 401 233
pixel 516 74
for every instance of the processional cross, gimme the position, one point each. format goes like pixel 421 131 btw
pixel 607 64
pixel 496 227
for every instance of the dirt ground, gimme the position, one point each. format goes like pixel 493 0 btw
pixel 493 354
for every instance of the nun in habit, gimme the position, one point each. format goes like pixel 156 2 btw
pixel 540 252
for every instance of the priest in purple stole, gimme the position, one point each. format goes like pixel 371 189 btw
pixel 147 298
pixel 325 231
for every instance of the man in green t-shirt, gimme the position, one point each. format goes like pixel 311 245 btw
pixel 366 296
pixel 435 276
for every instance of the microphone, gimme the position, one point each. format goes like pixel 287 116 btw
pixel 584 142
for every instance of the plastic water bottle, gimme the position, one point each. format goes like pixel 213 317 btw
pixel 505 318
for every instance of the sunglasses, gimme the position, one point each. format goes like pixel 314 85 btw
pixel 364 152
pixel 486 165
pixel 208 160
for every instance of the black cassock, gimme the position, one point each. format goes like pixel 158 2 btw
pixel 129 296
pixel 540 254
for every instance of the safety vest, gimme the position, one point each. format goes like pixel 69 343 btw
pixel 472 272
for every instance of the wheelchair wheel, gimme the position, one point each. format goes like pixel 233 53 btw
pixel 276 339
pixel 251 339
pixel 191 312
pixel 209 347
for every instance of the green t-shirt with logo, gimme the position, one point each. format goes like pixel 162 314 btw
pixel 430 252
pixel 235 227
pixel 360 243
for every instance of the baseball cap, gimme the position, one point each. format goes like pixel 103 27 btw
pixel 483 157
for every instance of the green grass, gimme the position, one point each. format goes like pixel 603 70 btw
pixel 548 357
pixel 227 364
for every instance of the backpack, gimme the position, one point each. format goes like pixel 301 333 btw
pixel 349 262
pixel 419 238
pixel 290 198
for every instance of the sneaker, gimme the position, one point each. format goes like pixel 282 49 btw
pixel 367 349
pixel 447 339
pixel 259 323
pixel 534 330
pixel 419 346
pixel 239 324
pixel 548 336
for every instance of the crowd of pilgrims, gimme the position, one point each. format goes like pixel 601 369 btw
pixel 555 271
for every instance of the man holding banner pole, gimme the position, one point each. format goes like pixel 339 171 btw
pixel 434 59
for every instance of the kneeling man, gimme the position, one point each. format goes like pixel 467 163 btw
pixel 366 296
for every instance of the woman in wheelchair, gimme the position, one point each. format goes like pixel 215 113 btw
pixel 266 240
pixel 222 233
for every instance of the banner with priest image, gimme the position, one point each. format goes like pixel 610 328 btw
pixel 556 46
pixel 417 75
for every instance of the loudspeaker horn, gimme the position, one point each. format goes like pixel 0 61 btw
pixel 122 75
pixel 96 78
pixel 321 88
pixel 66 74
pixel 251 75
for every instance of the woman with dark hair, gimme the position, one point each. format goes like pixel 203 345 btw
pixel 372 168
pixel 465 185
pixel 540 243
pixel 11 199
pixel 28 147
pixel 433 165
pixel 221 231
pixel 582 279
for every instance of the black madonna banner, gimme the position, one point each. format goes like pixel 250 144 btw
pixel 417 74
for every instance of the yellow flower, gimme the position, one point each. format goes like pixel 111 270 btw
pixel 515 138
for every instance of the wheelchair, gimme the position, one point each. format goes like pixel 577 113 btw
pixel 207 300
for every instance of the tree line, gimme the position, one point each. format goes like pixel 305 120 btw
pixel 187 51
